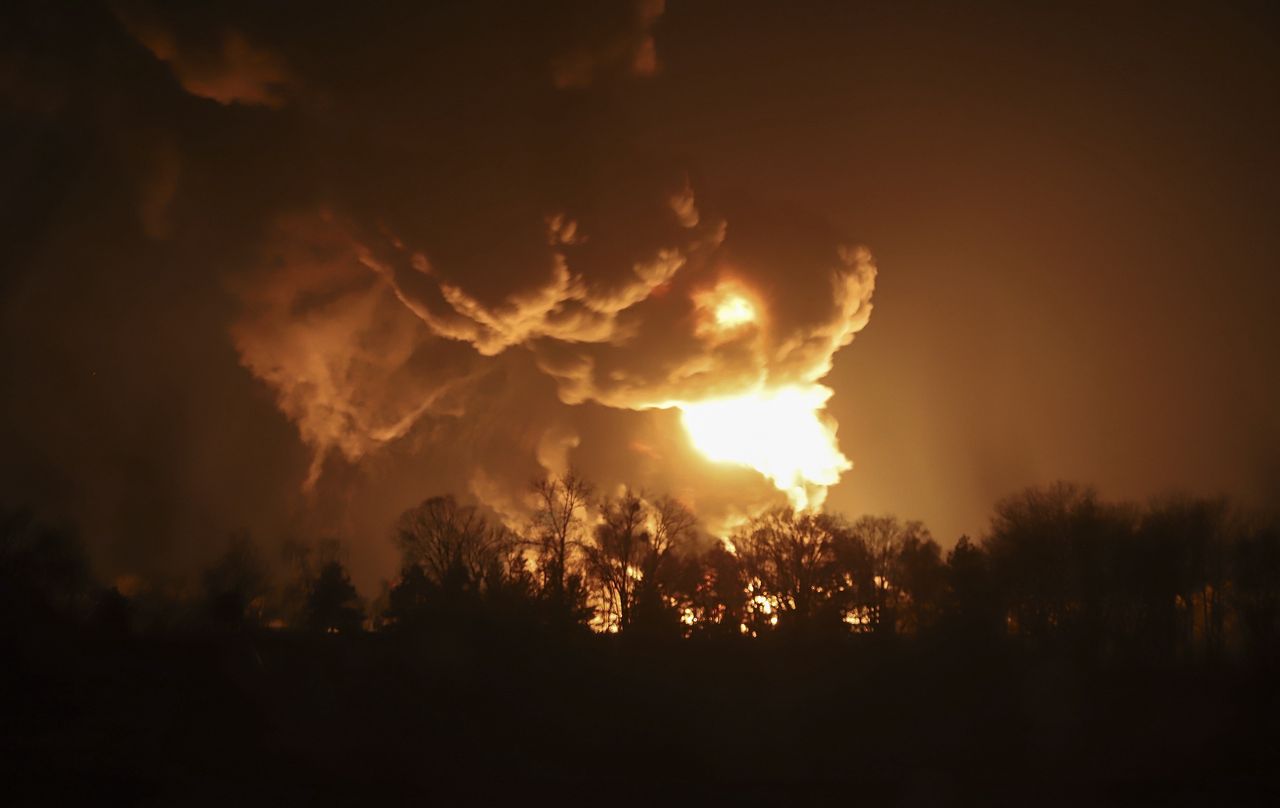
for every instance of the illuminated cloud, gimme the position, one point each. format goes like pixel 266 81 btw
pixel 609 275
pixel 348 362
pixel 440 252
pixel 335 328
pixel 224 66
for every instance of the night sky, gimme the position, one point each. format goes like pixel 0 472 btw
pixel 293 267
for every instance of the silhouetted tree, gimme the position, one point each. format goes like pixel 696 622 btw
pixel 1256 590
pixel 971 604
pixel 558 528
pixel 886 539
pixel 455 563
pixel 921 577
pixel 334 605
pixel 1029 549
pixel 710 586
pixel 379 608
pixel 631 559
pixel 409 602
pixel 234 586
pixel 854 592
pixel 1187 537
pixel 659 601
pixel 787 561
pixel 43 573
pixel 614 558
pixel 1054 555
pixel 114 613
pixel 300 566
pixel 454 544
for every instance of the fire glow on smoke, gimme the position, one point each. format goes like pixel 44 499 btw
pixel 777 430
pixel 780 433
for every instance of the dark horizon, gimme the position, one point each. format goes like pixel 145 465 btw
pixel 1083 651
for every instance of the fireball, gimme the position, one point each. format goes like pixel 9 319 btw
pixel 780 433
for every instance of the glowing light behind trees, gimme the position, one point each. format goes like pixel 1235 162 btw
pixel 780 433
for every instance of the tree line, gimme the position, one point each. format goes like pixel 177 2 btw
pixel 1179 577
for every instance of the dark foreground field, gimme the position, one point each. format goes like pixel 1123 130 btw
pixel 284 718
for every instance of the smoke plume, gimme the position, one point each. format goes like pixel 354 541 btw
pixel 434 242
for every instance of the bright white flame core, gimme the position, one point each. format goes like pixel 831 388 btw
pixel 778 433
pixel 734 310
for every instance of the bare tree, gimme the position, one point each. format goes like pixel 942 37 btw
pixel 787 560
pixel 631 553
pixel 1256 587
pixel 559 524
pixel 884 539
pixel 333 605
pixel 1189 538
pixel 235 585
pixel 672 527
pixel 710 586
pixel 615 556
pixel 920 578
pixel 453 544
pixel 1053 553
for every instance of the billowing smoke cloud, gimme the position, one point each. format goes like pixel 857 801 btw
pixel 444 252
